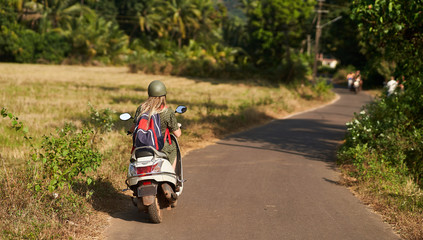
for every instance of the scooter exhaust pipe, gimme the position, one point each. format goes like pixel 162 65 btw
pixel 170 195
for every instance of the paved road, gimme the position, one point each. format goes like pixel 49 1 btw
pixel 277 181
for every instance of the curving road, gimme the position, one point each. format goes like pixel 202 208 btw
pixel 277 181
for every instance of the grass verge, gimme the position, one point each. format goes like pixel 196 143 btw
pixel 399 204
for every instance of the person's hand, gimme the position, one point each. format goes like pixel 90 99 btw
pixel 179 125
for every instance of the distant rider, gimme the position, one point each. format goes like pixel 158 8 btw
pixel 391 85
pixel 358 79
pixel 350 79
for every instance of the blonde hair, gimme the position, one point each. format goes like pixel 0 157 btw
pixel 153 105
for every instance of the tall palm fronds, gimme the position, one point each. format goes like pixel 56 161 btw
pixel 183 17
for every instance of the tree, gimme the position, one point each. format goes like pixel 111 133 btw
pixel 151 17
pixel 341 38
pixel 275 27
pixel 393 30
pixel 145 19
pixel 92 37
pixel 211 18
pixel 183 18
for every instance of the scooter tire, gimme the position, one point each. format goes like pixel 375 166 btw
pixel 154 212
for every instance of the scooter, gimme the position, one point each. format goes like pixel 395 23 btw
pixel 356 86
pixel 151 177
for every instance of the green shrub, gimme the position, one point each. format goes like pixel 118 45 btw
pixel 322 88
pixel 27 46
pixel 15 123
pixel 66 156
pixel 392 129
pixel 53 48
pixel 30 209
pixel 18 43
pixel 101 120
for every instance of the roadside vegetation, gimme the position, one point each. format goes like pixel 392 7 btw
pixel 382 154
pixel 64 153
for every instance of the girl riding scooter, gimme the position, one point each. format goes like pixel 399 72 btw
pixel 155 173
pixel 156 103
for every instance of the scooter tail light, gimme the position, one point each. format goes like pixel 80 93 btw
pixel 146 183
pixel 149 169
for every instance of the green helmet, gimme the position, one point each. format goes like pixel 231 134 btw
pixel 156 89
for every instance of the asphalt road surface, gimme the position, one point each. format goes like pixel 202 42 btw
pixel 277 181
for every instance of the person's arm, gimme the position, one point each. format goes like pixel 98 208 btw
pixel 173 124
pixel 177 133
pixel 132 128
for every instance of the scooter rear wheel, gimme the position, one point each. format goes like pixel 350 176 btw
pixel 154 212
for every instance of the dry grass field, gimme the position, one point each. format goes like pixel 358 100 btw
pixel 45 97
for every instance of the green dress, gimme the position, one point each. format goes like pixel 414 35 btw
pixel 167 121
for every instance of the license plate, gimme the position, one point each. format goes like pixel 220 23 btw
pixel 147 190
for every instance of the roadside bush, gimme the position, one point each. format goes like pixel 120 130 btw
pixel 65 157
pixel 148 62
pixel 385 143
pixel 100 120
pixel 29 207
pixel 322 88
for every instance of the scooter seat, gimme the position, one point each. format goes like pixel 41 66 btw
pixel 144 153
pixel 149 153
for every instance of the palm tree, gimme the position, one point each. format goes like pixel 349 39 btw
pixel 208 17
pixel 92 36
pixel 183 17
pixel 56 13
pixel 151 17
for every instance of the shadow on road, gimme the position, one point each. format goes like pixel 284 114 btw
pixel 132 215
pixel 314 135
pixel 106 198
pixel 313 139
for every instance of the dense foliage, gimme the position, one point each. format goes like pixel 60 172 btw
pixel 392 29
pixel 396 26
pixel 390 132
pixel 274 28
pixel 385 141
pixel 184 37
pixel 341 38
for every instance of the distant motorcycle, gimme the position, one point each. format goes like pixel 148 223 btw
pixel 151 177
pixel 356 86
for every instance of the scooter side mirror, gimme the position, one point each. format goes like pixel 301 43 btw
pixel 125 116
pixel 181 109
